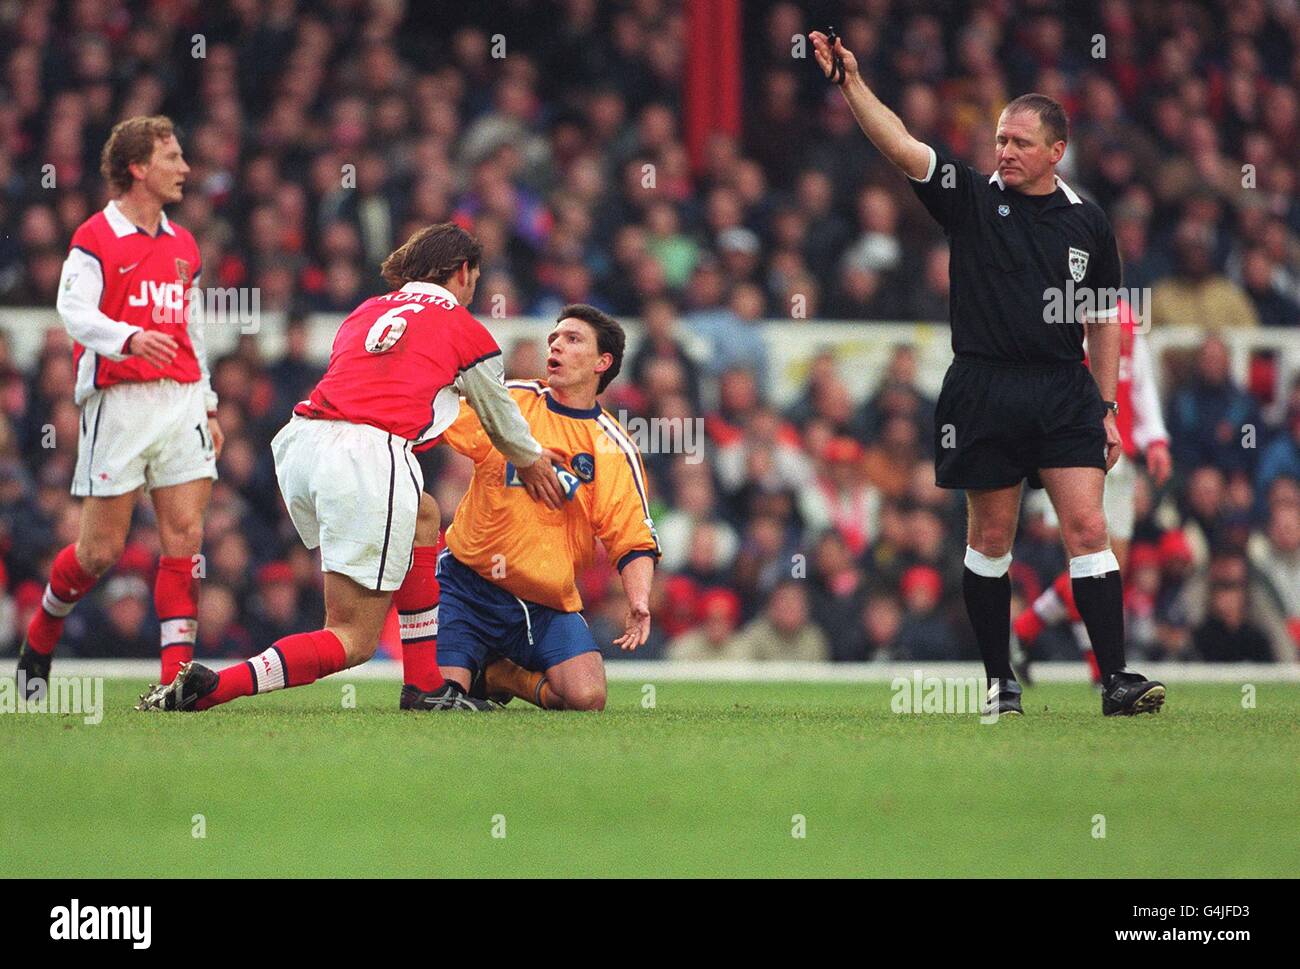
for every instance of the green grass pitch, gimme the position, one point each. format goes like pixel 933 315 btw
pixel 706 783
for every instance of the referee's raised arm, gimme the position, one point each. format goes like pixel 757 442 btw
pixel 884 128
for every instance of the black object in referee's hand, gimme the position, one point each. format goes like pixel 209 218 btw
pixel 837 75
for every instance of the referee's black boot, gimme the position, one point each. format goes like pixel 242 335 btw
pixel 1125 693
pixel 1003 699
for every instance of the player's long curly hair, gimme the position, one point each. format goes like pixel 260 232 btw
pixel 131 142
pixel 432 255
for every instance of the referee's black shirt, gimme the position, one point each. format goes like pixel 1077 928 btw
pixel 1020 266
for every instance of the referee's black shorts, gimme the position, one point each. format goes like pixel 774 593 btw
pixel 997 424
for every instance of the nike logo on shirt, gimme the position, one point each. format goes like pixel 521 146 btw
pixel 127 269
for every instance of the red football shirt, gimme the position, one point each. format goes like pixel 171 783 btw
pixel 395 360
pixel 127 279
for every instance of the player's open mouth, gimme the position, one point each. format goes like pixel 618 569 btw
pixel 552 364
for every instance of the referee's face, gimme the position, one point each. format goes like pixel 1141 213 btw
pixel 1026 161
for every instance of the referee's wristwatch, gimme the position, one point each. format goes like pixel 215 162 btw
pixel 1112 406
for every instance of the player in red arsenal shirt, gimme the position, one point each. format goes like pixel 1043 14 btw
pixel 147 406
pixel 398 368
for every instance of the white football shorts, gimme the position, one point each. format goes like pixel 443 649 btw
pixel 352 490
pixel 153 434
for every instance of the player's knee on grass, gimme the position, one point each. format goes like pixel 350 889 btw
pixel 585 695
pixel 579 682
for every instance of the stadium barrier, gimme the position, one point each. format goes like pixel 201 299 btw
pixel 861 348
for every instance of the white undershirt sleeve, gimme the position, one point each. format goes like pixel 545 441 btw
pixel 195 324
pixel 483 385
pixel 1148 422
pixel 80 288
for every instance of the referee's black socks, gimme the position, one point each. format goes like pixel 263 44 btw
pixel 1099 597
pixel 986 587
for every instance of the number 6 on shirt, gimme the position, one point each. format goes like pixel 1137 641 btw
pixel 388 329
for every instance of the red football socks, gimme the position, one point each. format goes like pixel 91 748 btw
pixel 68 583
pixel 1028 626
pixel 417 616
pixel 292 661
pixel 1065 589
pixel 176 600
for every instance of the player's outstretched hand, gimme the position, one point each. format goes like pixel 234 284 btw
pixel 636 627
pixel 1114 446
pixel 541 482
pixel 152 345
pixel 823 51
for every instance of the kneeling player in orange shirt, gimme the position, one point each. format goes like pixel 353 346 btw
pixel 510 602
pixel 353 489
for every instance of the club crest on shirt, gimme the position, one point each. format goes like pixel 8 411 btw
pixel 183 270
pixel 584 466
pixel 1004 210
pixel 1078 264
pixel 569 482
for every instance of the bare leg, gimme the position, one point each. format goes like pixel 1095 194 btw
pixel 579 682
pixel 74 572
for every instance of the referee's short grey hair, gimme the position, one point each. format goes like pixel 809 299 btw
pixel 1049 111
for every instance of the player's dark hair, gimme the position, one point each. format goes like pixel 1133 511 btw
pixel 131 142
pixel 610 337
pixel 1050 114
pixel 432 255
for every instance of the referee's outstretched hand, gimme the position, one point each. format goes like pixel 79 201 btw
pixel 823 52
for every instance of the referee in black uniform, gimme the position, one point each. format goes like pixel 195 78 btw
pixel 1032 266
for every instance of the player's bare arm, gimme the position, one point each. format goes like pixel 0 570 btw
pixel 637 576
pixel 884 128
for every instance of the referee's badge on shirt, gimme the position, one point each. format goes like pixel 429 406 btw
pixel 1078 264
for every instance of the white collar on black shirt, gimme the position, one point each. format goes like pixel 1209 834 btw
pixel 996 179
pixel 431 289
pixel 122 226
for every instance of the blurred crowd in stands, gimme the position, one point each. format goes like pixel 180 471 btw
pixel 321 135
